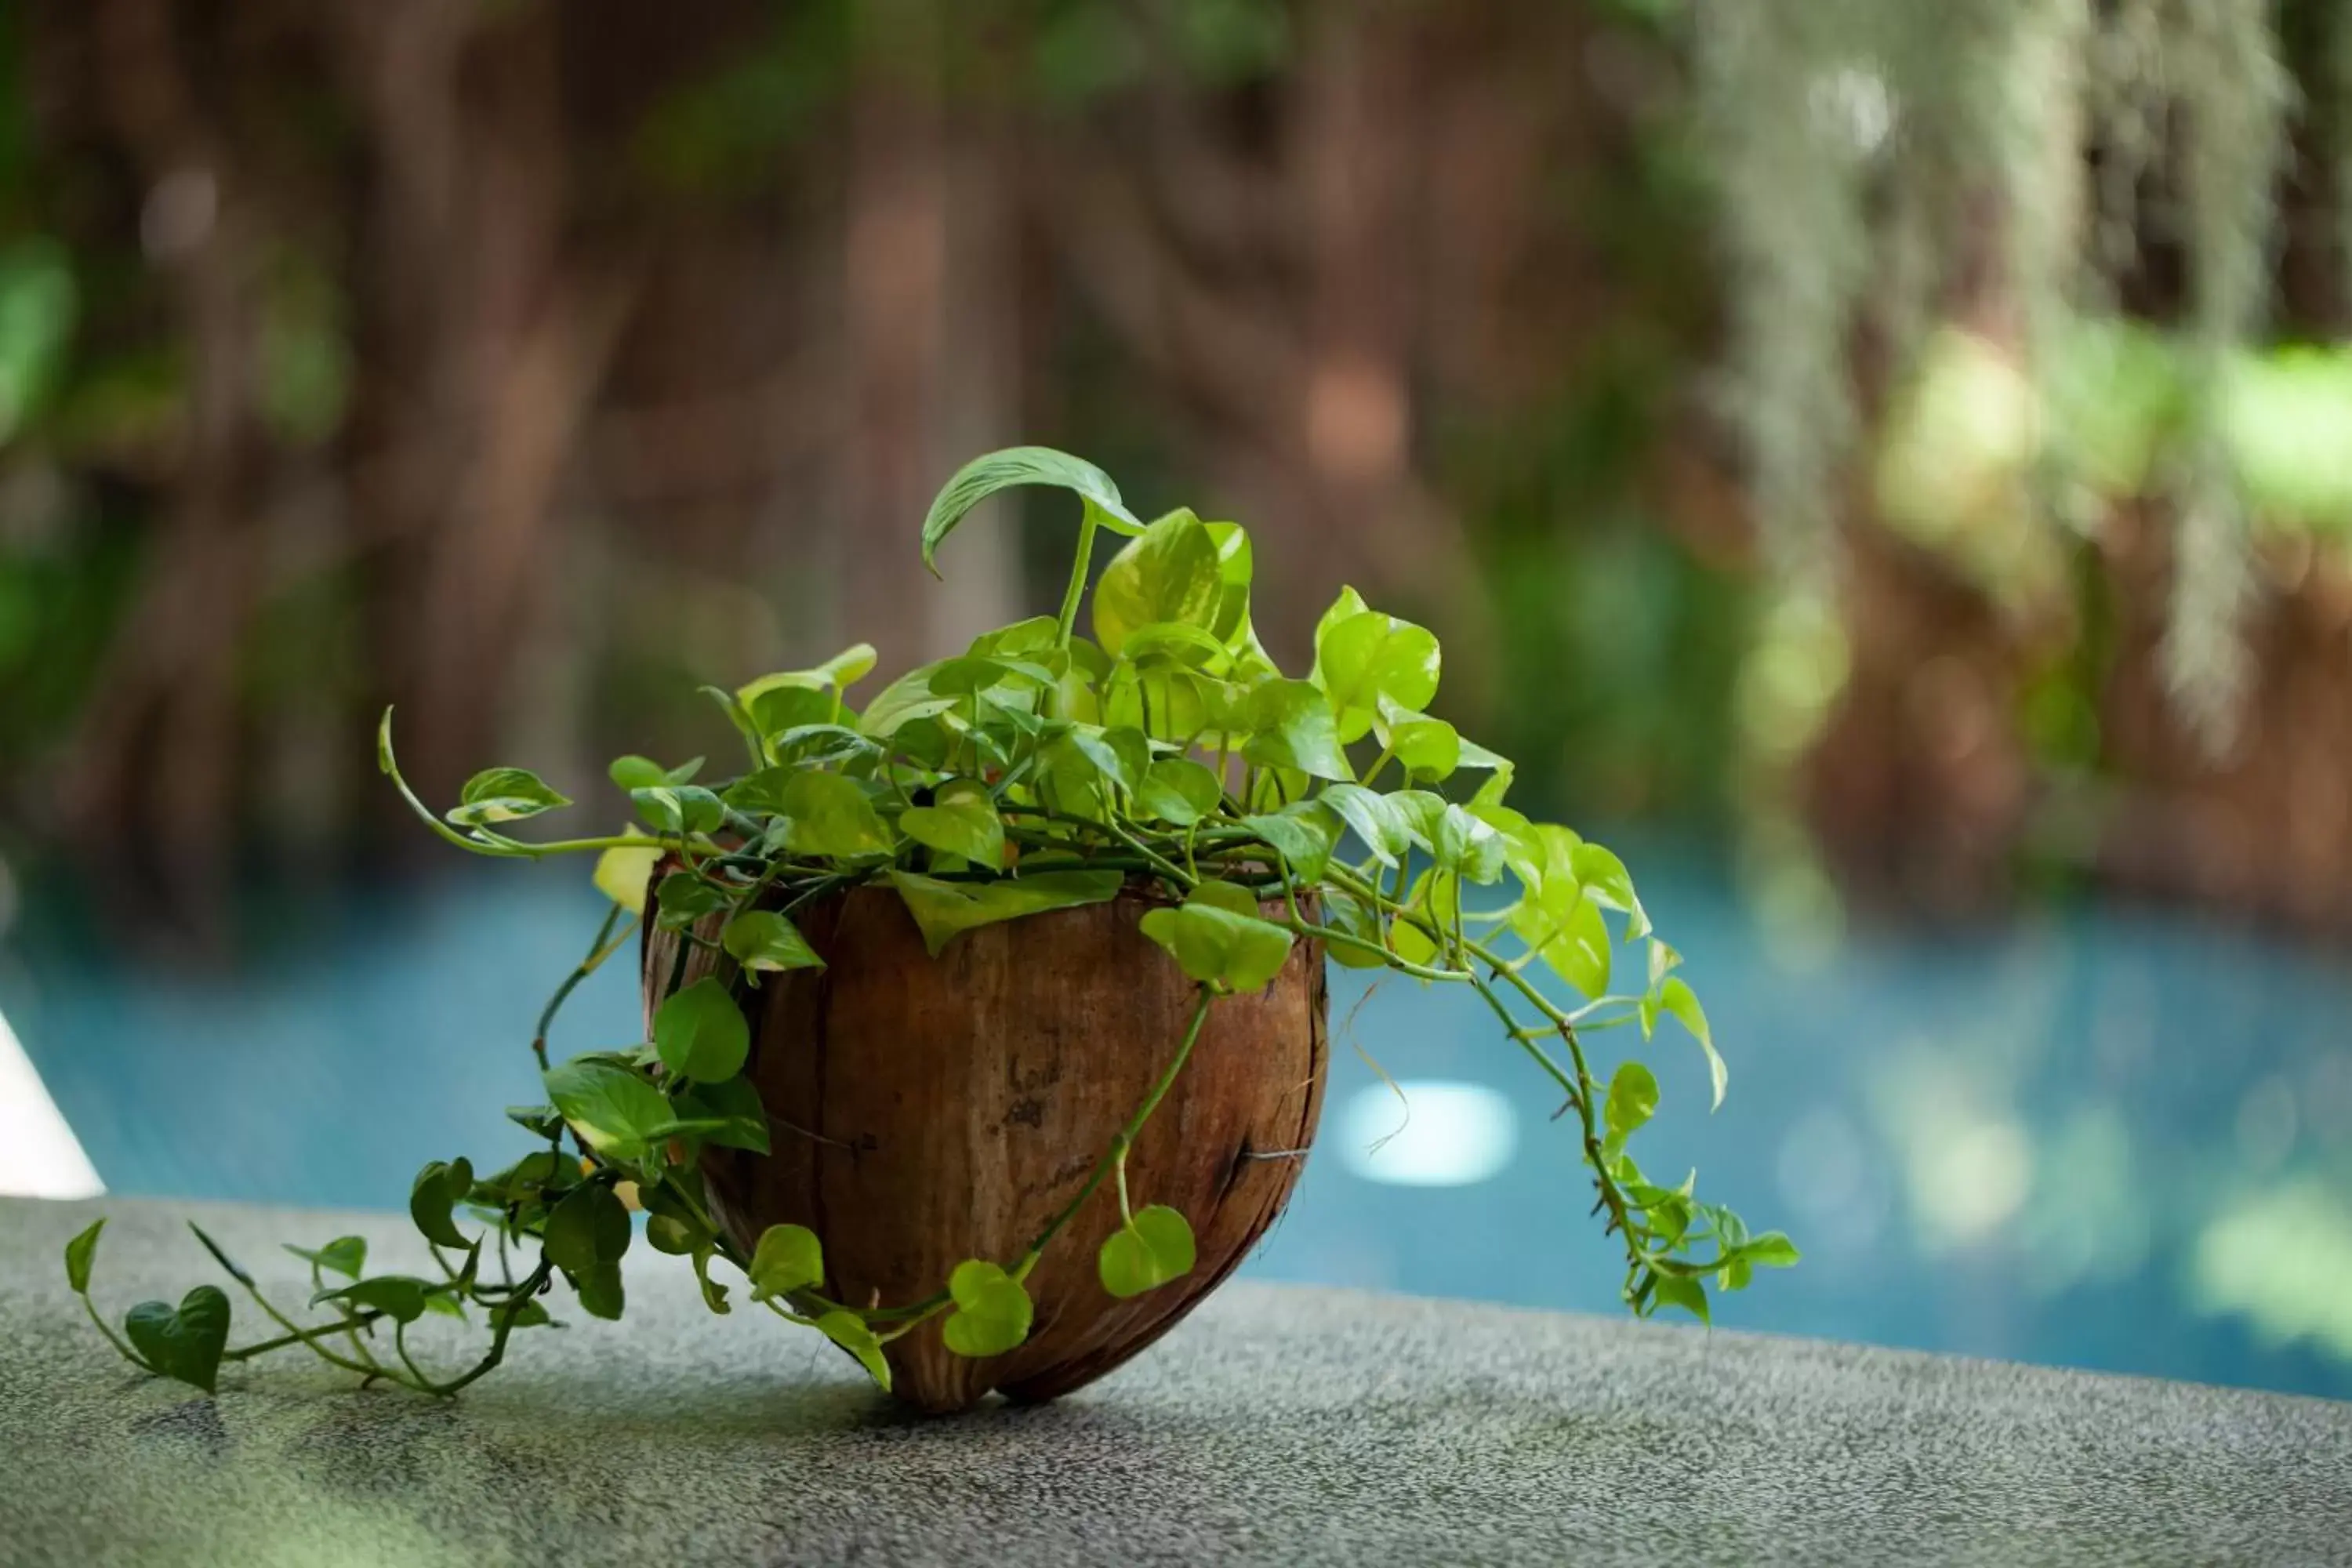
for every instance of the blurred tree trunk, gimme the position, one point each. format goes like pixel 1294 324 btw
pixel 484 333
pixel 929 335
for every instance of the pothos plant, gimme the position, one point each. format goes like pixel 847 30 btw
pixel 1039 770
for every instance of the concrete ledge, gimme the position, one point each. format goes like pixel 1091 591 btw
pixel 1280 1426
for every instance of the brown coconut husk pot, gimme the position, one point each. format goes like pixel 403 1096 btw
pixel 924 1110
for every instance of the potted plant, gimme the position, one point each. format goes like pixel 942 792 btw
pixel 985 1020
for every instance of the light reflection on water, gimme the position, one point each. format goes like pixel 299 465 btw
pixel 2104 1138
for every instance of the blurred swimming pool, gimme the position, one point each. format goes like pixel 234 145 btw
pixel 2100 1137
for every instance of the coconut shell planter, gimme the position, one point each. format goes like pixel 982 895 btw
pixel 985 1028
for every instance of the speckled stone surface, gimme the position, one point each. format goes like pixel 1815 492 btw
pixel 1280 1426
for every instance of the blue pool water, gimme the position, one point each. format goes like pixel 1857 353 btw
pixel 2102 1138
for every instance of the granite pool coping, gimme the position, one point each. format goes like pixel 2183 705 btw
pixel 1281 1425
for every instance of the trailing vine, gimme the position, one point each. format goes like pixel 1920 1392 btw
pixel 1039 770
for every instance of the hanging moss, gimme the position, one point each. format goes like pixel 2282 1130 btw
pixel 1933 162
pixel 2234 95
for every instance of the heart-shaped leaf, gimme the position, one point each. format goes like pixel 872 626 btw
pixel 1362 655
pixel 438 1189
pixel 1169 574
pixel 1219 945
pixel 589 1226
pixel 1179 790
pixel 994 471
pixel 80 1252
pixel 831 819
pixel 1292 725
pixel 683 898
pixel 601 1293
pixel 848 1330
pixel 183 1342
pixel 1633 1097
pixel 699 1031
pixel 346 1256
pixel 946 910
pixel 733 1105
pixel 1153 1247
pixel 503 794
pixel 788 1259
pixel 1306 831
pixel 614 1108
pixel 634 772
pixel 399 1296
pixel 678 809
pixel 623 873
pixel 764 940
pixel 961 820
pixel 992 1311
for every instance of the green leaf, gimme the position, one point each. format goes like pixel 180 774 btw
pixel 610 1107
pixel 588 1228
pixel 79 1252
pixel 671 1235
pixel 992 1312
pixel 699 1031
pixel 1377 820
pixel 842 672
pixel 1492 792
pixel 994 471
pixel 1218 945
pixel 848 1330
pixel 831 819
pixel 1169 574
pixel 1468 846
pixel 1677 997
pixel 346 1255
pixel 1150 1250
pixel 1680 1291
pixel 1605 876
pixel 1168 645
pixel 400 1296
pixel 1236 564
pixel 788 1259
pixel 1574 943
pixel 944 911
pixel 1771 1249
pixel 902 703
pixel 503 794
pixel 1306 831
pixel 678 809
pixel 961 820
pixel 734 1105
pixel 1364 657
pixel 782 709
pixel 1292 726
pixel 714 1294
pixel 1633 1097
pixel 438 1189
pixel 601 1293
pixel 623 875
pixel 635 772
pixel 183 1343
pixel 683 898
pixel 764 940
pixel 1430 749
pixel 1179 790
pixel 1084 763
